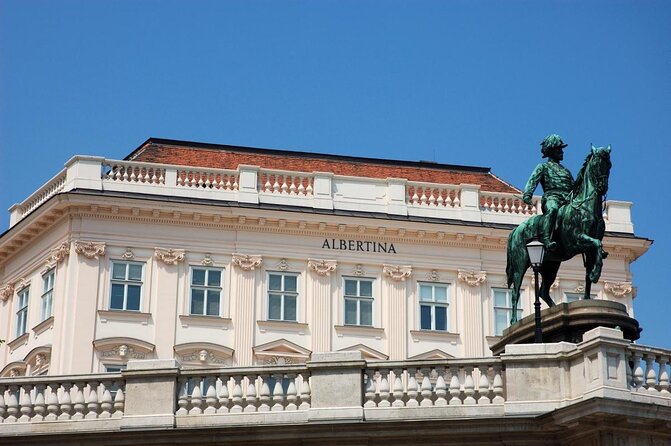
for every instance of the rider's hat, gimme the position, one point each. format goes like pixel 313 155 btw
pixel 550 143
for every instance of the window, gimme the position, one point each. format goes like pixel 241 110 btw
pixel 572 297
pixel 282 296
pixel 47 294
pixel 114 368
pixel 126 286
pixel 503 308
pixel 22 311
pixel 206 291
pixel 359 302
pixel 433 306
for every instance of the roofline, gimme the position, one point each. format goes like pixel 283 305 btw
pixel 304 154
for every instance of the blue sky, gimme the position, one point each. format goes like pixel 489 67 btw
pixel 461 82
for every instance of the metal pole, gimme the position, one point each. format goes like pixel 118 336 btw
pixel 538 334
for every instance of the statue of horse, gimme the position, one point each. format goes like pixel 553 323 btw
pixel 579 230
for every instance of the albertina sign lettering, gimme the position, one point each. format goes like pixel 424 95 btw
pixel 358 245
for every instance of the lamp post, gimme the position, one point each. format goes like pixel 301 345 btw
pixel 536 252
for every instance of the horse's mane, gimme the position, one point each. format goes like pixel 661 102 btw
pixel 581 175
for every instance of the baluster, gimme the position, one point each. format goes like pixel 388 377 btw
pixel 52 402
pixel 92 404
pixel 79 405
pixel 506 208
pixel 497 387
pixel 305 393
pixel 267 187
pixel 196 397
pixel 413 388
pixel 432 199
pixel 369 392
pixel 422 198
pixel 154 176
pixel 211 396
pixel 276 184
pixel 200 182
pixel 440 202
pixel 651 375
pixel 250 398
pixel 663 375
pixel 229 186
pixel 469 386
pixel 284 185
pixel 106 402
pixel 292 188
pixel 425 390
pixel 124 177
pixel 39 406
pixel 235 183
pixel 384 389
pixel 12 404
pixel 66 402
pixel 398 388
pixel 638 371
pixel 237 395
pixel 292 394
pixel 119 400
pixel 455 202
pixel 3 409
pixel 441 388
pixel 301 189
pixel 483 385
pixel 223 396
pixel 26 405
pixel 278 394
pixel 629 372
pixel 133 177
pixel 455 388
pixel 183 397
pixel 264 395
pixel 308 190
pixel 414 199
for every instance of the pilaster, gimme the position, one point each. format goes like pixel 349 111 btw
pixel 470 284
pixel 244 312
pixel 321 318
pixel 395 303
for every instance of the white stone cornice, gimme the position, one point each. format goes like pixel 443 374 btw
pixel 246 262
pixel 6 291
pixel 322 267
pixel 472 278
pixel 169 256
pixel 90 250
pixel 397 272
pixel 618 289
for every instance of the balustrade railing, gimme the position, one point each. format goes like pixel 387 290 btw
pixel 48 190
pixel 435 195
pixel 507 204
pixel 287 183
pixel 216 179
pixel 233 391
pixel 37 399
pixel 131 172
pixel 648 370
pixel 427 384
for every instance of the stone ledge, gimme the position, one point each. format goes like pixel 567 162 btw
pixel 43 326
pixel 205 321
pixel 124 315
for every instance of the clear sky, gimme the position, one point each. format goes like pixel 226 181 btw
pixel 461 82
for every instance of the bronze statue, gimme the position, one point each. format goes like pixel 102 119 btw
pixel 578 225
pixel 557 183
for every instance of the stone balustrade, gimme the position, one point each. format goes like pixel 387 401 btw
pixel 648 370
pixel 320 190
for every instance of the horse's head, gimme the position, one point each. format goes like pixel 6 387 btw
pixel 599 165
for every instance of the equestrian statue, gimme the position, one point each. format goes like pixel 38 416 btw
pixel 571 223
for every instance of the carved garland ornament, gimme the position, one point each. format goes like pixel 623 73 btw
pixel 322 267
pixel 433 275
pixel 207 260
pixel 169 256
pixel 618 289
pixel 90 250
pixel 472 278
pixel 246 262
pixel 396 272
pixel 56 256
pixel 6 291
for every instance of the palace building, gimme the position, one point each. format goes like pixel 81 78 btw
pixel 269 295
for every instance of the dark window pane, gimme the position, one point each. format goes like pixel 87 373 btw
pixel 350 287
pixel 441 318
pixel 366 307
pixel 116 302
pixel 275 282
pixel 198 277
pixel 425 316
pixel 366 288
pixel 289 308
pixel 197 302
pixel 118 271
pixel 275 306
pixel 214 278
pixel 213 303
pixel 133 299
pixel 289 283
pixel 350 311
pixel 134 272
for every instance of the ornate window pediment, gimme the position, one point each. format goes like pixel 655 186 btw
pixel 38 360
pixel 121 349
pixel 16 368
pixel 433 354
pixel 203 354
pixel 366 352
pixel 280 352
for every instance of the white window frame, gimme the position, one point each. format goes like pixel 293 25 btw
pixel 283 294
pixel 48 280
pixel 206 288
pixel 358 298
pixel 579 296
pixel 22 301
pixel 433 304
pixel 126 282
pixel 507 309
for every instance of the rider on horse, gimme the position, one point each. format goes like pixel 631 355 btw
pixel 557 183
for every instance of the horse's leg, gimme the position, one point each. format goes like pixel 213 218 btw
pixel 590 242
pixel 549 274
pixel 517 284
pixel 589 264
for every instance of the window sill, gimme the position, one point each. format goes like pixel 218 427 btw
pixel 291 326
pixel 204 321
pixel 359 330
pixel 18 342
pixel 123 315
pixel 43 326
pixel 435 335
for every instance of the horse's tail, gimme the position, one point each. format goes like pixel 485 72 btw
pixel 509 261
pixel 516 251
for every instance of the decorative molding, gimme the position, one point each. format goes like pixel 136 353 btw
pixel 433 275
pixel 434 335
pixel 43 326
pixel 246 262
pixel 18 342
pixel 358 270
pixel 123 315
pixel 169 256
pixel 287 326
pixel 271 352
pixel 322 267
pixel 282 265
pixel 397 272
pixel 6 291
pixel 580 289
pixel 123 348
pixel 207 260
pixel 359 330
pixel 56 256
pixel 366 352
pixel 21 284
pixel 90 250
pixel 128 254
pixel 472 278
pixel 618 289
pixel 204 321
pixel 554 285
pixel 124 352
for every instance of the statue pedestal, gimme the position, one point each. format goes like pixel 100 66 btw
pixel 568 322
